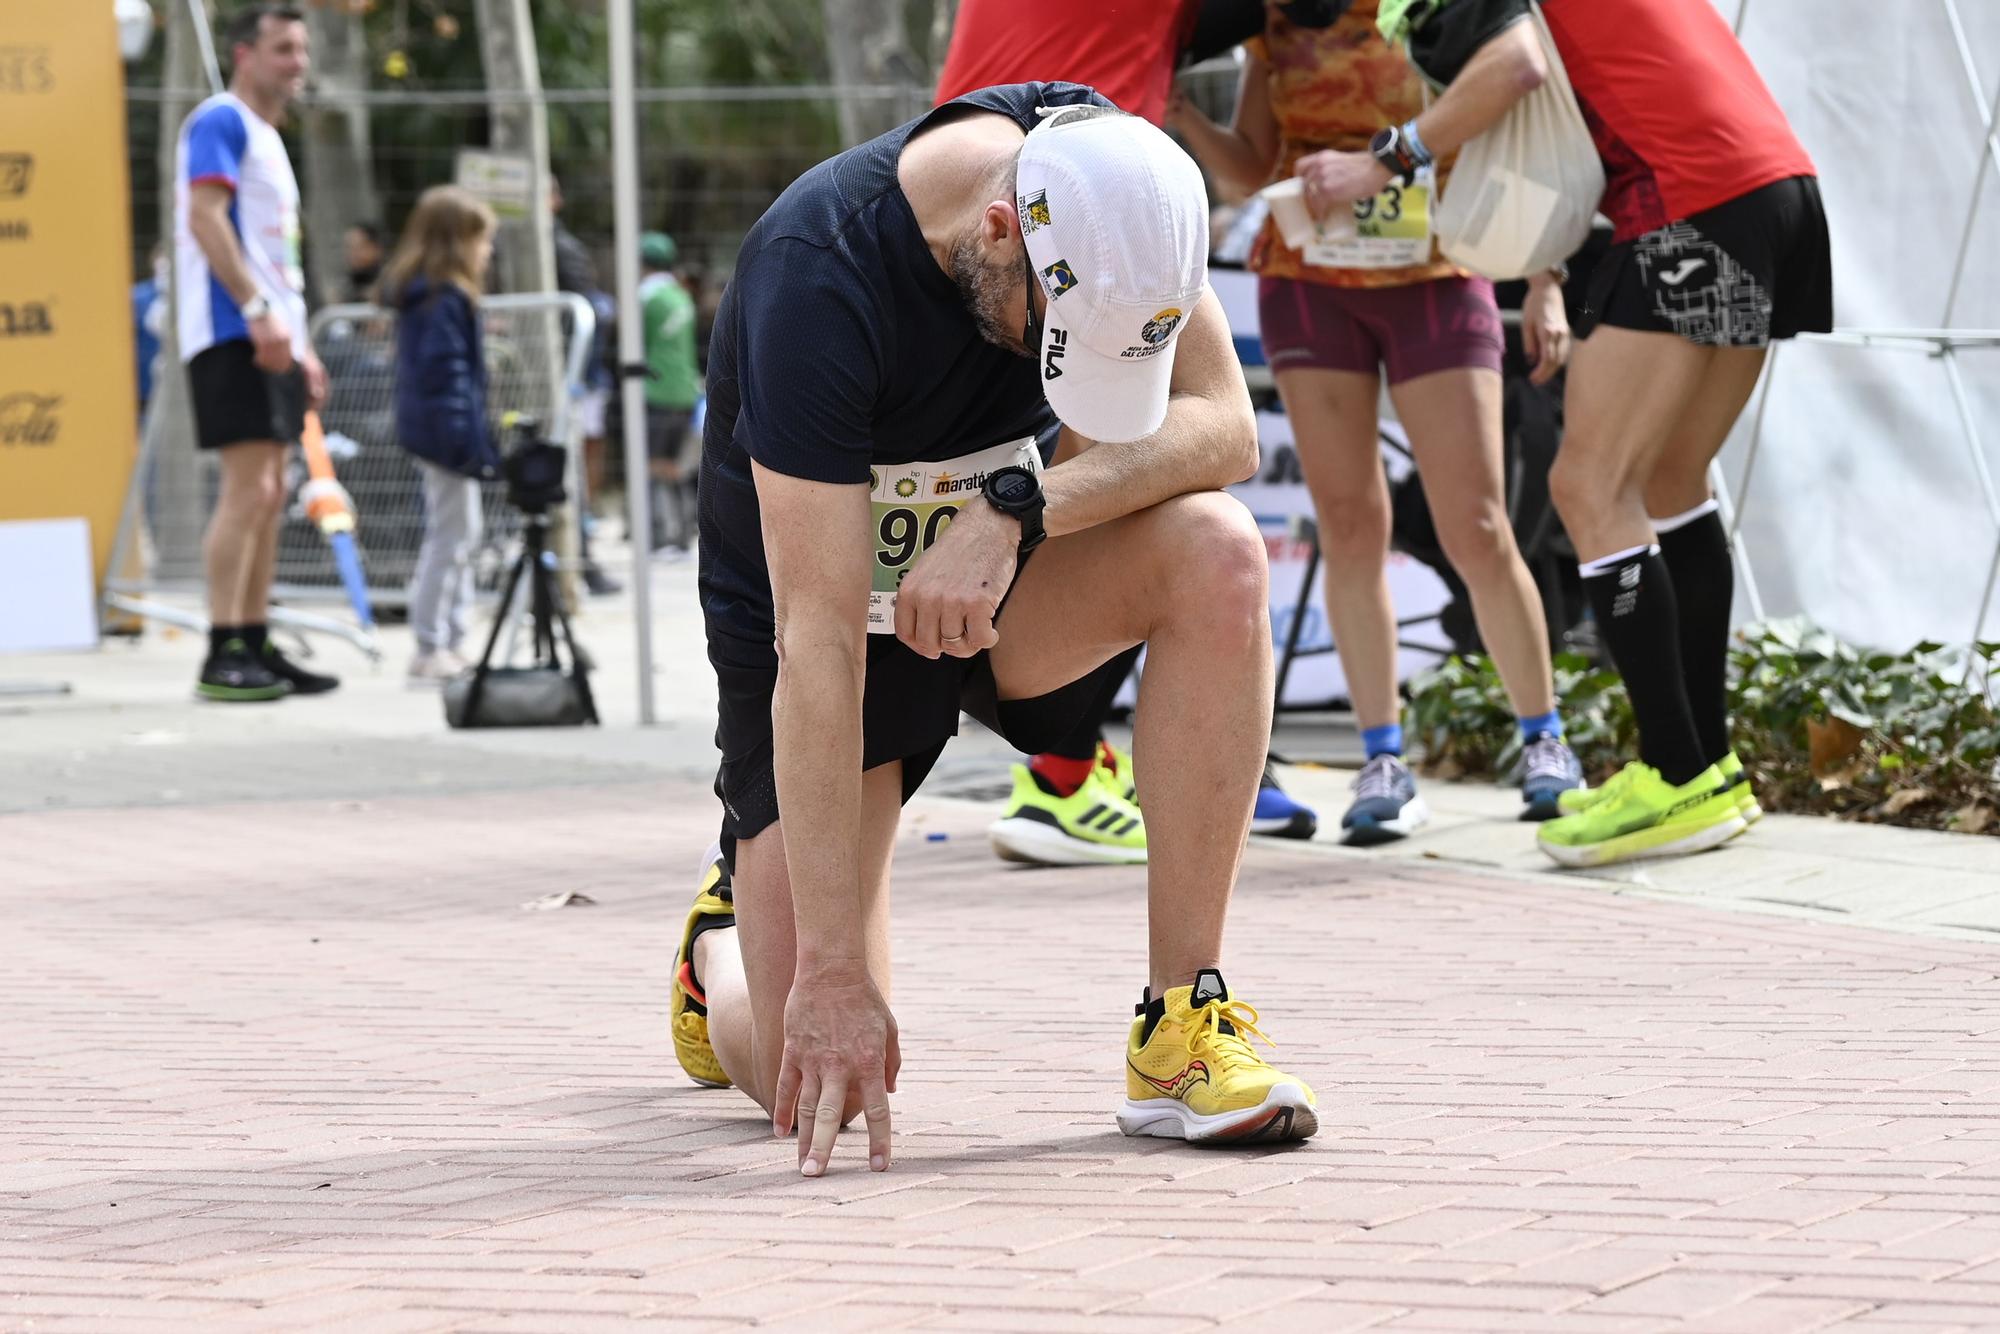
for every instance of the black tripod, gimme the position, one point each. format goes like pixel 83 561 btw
pixel 546 617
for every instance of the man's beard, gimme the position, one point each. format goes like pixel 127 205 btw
pixel 983 288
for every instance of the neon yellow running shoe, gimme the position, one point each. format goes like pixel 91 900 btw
pixel 1732 773
pixel 1116 766
pixel 1196 1077
pixel 687 1012
pixel 1728 766
pixel 1642 815
pixel 1094 825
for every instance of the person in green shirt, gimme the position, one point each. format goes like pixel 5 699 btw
pixel 673 387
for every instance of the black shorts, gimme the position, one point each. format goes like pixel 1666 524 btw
pixel 909 710
pixel 667 432
pixel 235 403
pixel 1737 275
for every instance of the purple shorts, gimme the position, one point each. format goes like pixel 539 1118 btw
pixel 1442 325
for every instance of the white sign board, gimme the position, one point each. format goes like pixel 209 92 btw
pixel 506 181
pixel 47 602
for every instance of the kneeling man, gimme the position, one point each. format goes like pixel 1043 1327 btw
pixel 917 331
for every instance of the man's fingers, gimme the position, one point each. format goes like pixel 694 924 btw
pixel 786 1100
pixel 826 1123
pixel 979 635
pixel 875 1106
pixel 892 1063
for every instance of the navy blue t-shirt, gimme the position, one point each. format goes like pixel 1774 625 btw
pixel 842 344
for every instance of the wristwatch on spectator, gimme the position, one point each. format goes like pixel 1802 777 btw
pixel 256 308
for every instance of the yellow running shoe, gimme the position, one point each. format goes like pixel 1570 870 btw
pixel 1642 815
pixel 714 907
pixel 1116 767
pixel 1731 769
pixel 1732 773
pixel 1196 1077
pixel 1093 825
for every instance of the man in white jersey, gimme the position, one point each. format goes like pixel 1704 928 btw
pixel 242 318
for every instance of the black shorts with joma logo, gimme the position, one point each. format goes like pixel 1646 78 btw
pixel 1741 274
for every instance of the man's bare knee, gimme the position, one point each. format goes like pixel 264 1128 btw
pixel 1214 562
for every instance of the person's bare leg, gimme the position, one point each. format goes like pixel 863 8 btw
pixel 1453 420
pixel 1334 425
pixel 264 569
pixel 238 527
pixel 1626 394
pixel 746 973
pixel 1188 579
pixel 1679 480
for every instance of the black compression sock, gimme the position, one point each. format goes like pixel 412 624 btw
pixel 1695 547
pixel 255 635
pixel 218 635
pixel 1633 597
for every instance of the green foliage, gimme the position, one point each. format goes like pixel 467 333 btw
pixel 1823 726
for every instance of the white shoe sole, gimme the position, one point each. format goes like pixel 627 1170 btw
pixel 1020 840
pixel 1608 854
pixel 1414 817
pixel 1285 1114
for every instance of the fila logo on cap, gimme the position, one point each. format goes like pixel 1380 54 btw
pixel 1058 340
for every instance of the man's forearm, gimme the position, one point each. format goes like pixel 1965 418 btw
pixel 217 240
pixel 1205 445
pixel 816 736
pixel 1500 73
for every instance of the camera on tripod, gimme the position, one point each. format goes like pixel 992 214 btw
pixel 533 467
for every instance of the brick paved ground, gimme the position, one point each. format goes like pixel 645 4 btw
pixel 308 1065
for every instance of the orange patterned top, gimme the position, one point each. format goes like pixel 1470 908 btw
pixel 1333 88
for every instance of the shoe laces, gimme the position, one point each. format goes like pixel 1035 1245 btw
pixel 1548 757
pixel 1220 1026
pixel 1378 778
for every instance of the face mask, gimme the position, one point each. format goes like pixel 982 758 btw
pixel 1313 13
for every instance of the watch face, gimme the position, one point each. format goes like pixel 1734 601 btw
pixel 1014 488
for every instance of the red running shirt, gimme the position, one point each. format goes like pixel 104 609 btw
pixel 1678 112
pixel 1125 49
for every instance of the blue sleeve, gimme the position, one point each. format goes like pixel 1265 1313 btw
pixel 809 363
pixel 217 141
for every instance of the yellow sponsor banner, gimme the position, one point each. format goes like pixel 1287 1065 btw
pixel 68 401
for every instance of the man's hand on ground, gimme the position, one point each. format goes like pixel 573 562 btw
pixel 315 381
pixel 947 602
pixel 272 339
pixel 840 1043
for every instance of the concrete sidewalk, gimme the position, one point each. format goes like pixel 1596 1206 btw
pixel 281 1049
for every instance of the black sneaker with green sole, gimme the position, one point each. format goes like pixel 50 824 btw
pixel 232 676
pixel 298 678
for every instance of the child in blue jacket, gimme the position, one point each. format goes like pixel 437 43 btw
pixel 434 280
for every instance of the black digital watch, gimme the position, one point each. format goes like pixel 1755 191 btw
pixel 1393 151
pixel 1017 492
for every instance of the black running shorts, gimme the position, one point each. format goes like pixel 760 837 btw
pixel 910 708
pixel 1740 274
pixel 235 403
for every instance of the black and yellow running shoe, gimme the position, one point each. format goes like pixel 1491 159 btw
pixel 714 908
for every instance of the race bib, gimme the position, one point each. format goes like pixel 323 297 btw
pixel 1390 231
pixel 912 505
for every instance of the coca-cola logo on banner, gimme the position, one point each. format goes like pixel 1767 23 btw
pixel 30 419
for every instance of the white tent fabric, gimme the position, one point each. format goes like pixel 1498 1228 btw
pixel 1865 509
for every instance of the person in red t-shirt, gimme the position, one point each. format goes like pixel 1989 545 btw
pixel 1125 49
pixel 1720 246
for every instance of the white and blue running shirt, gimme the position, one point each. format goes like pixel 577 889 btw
pixel 227 143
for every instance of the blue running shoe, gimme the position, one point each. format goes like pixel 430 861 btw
pixel 1548 769
pixel 1278 815
pixel 1386 805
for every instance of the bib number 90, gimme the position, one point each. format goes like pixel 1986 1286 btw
pixel 905 531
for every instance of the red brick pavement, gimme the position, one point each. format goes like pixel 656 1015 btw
pixel 309 1065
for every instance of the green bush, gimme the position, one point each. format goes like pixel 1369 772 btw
pixel 1824 727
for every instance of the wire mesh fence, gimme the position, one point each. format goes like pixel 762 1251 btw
pixel 537 349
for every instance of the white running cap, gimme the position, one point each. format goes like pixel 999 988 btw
pixel 1115 219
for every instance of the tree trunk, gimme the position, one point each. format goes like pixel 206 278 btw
pixel 340 185
pixel 868 48
pixel 525 259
